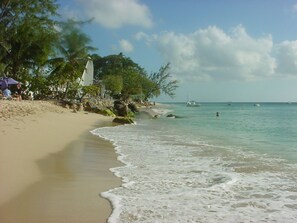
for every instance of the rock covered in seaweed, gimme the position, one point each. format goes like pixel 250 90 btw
pixel 99 108
pixel 123 120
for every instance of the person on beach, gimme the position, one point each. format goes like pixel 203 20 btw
pixel 19 92
pixel 5 90
pixel 6 93
pixel 218 114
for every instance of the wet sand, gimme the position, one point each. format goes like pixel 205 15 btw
pixel 52 169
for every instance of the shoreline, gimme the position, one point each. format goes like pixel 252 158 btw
pixel 55 168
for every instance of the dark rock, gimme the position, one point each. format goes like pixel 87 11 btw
pixel 87 106
pixel 121 108
pixel 173 116
pixel 170 116
pixel 123 120
pixel 91 107
pixel 133 107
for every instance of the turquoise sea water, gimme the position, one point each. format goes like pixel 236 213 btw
pixel 270 128
pixel 238 167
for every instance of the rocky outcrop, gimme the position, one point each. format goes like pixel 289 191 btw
pixel 121 108
pixel 133 107
pixel 107 112
pixel 123 120
pixel 172 116
pixel 91 106
pixel 123 111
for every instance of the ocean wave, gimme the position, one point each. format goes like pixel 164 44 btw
pixel 172 176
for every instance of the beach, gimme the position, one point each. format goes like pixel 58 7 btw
pixel 52 168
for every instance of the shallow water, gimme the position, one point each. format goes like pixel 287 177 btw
pixel 238 167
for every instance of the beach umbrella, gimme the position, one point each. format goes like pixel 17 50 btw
pixel 5 81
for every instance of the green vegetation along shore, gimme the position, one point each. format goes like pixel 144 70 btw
pixel 48 56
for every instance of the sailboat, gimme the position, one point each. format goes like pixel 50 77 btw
pixel 87 77
pixel 192 103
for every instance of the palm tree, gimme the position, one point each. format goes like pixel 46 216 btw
pixel 72 51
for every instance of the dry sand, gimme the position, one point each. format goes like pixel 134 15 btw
pixel 52 169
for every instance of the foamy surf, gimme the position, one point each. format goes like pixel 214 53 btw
pixel 171 174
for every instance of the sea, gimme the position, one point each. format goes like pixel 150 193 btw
pixel 239 166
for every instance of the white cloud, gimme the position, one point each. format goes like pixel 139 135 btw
pixel 212 54
pixel 126 46
pixel 143 36
pixel 286 54
pixel 115 13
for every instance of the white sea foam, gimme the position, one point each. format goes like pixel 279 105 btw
pixel 171 177
pixel 116 205
pixel 161 111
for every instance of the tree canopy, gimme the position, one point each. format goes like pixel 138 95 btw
pixel 51 54
pixel 123 76
pixel 70 58
pixel 27 35
pixel 163 82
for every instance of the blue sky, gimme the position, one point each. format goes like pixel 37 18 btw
pixel 219 50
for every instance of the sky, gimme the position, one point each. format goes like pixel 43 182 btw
pixel 218 50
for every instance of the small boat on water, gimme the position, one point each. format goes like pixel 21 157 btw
pixel 192 104
pixel 257 105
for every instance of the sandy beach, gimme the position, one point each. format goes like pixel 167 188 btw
pixel 52 169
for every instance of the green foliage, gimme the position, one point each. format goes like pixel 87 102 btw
pixel 91 91
pixel 97 66
pixel 114 65
pixel 132 83
pixel 72 54
pixel 121 76
pixel 71 90
pixel 27 34
pixel 149 89
pixel 162 83
pixel 114 84
pixel 51 56
pixel 39 85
